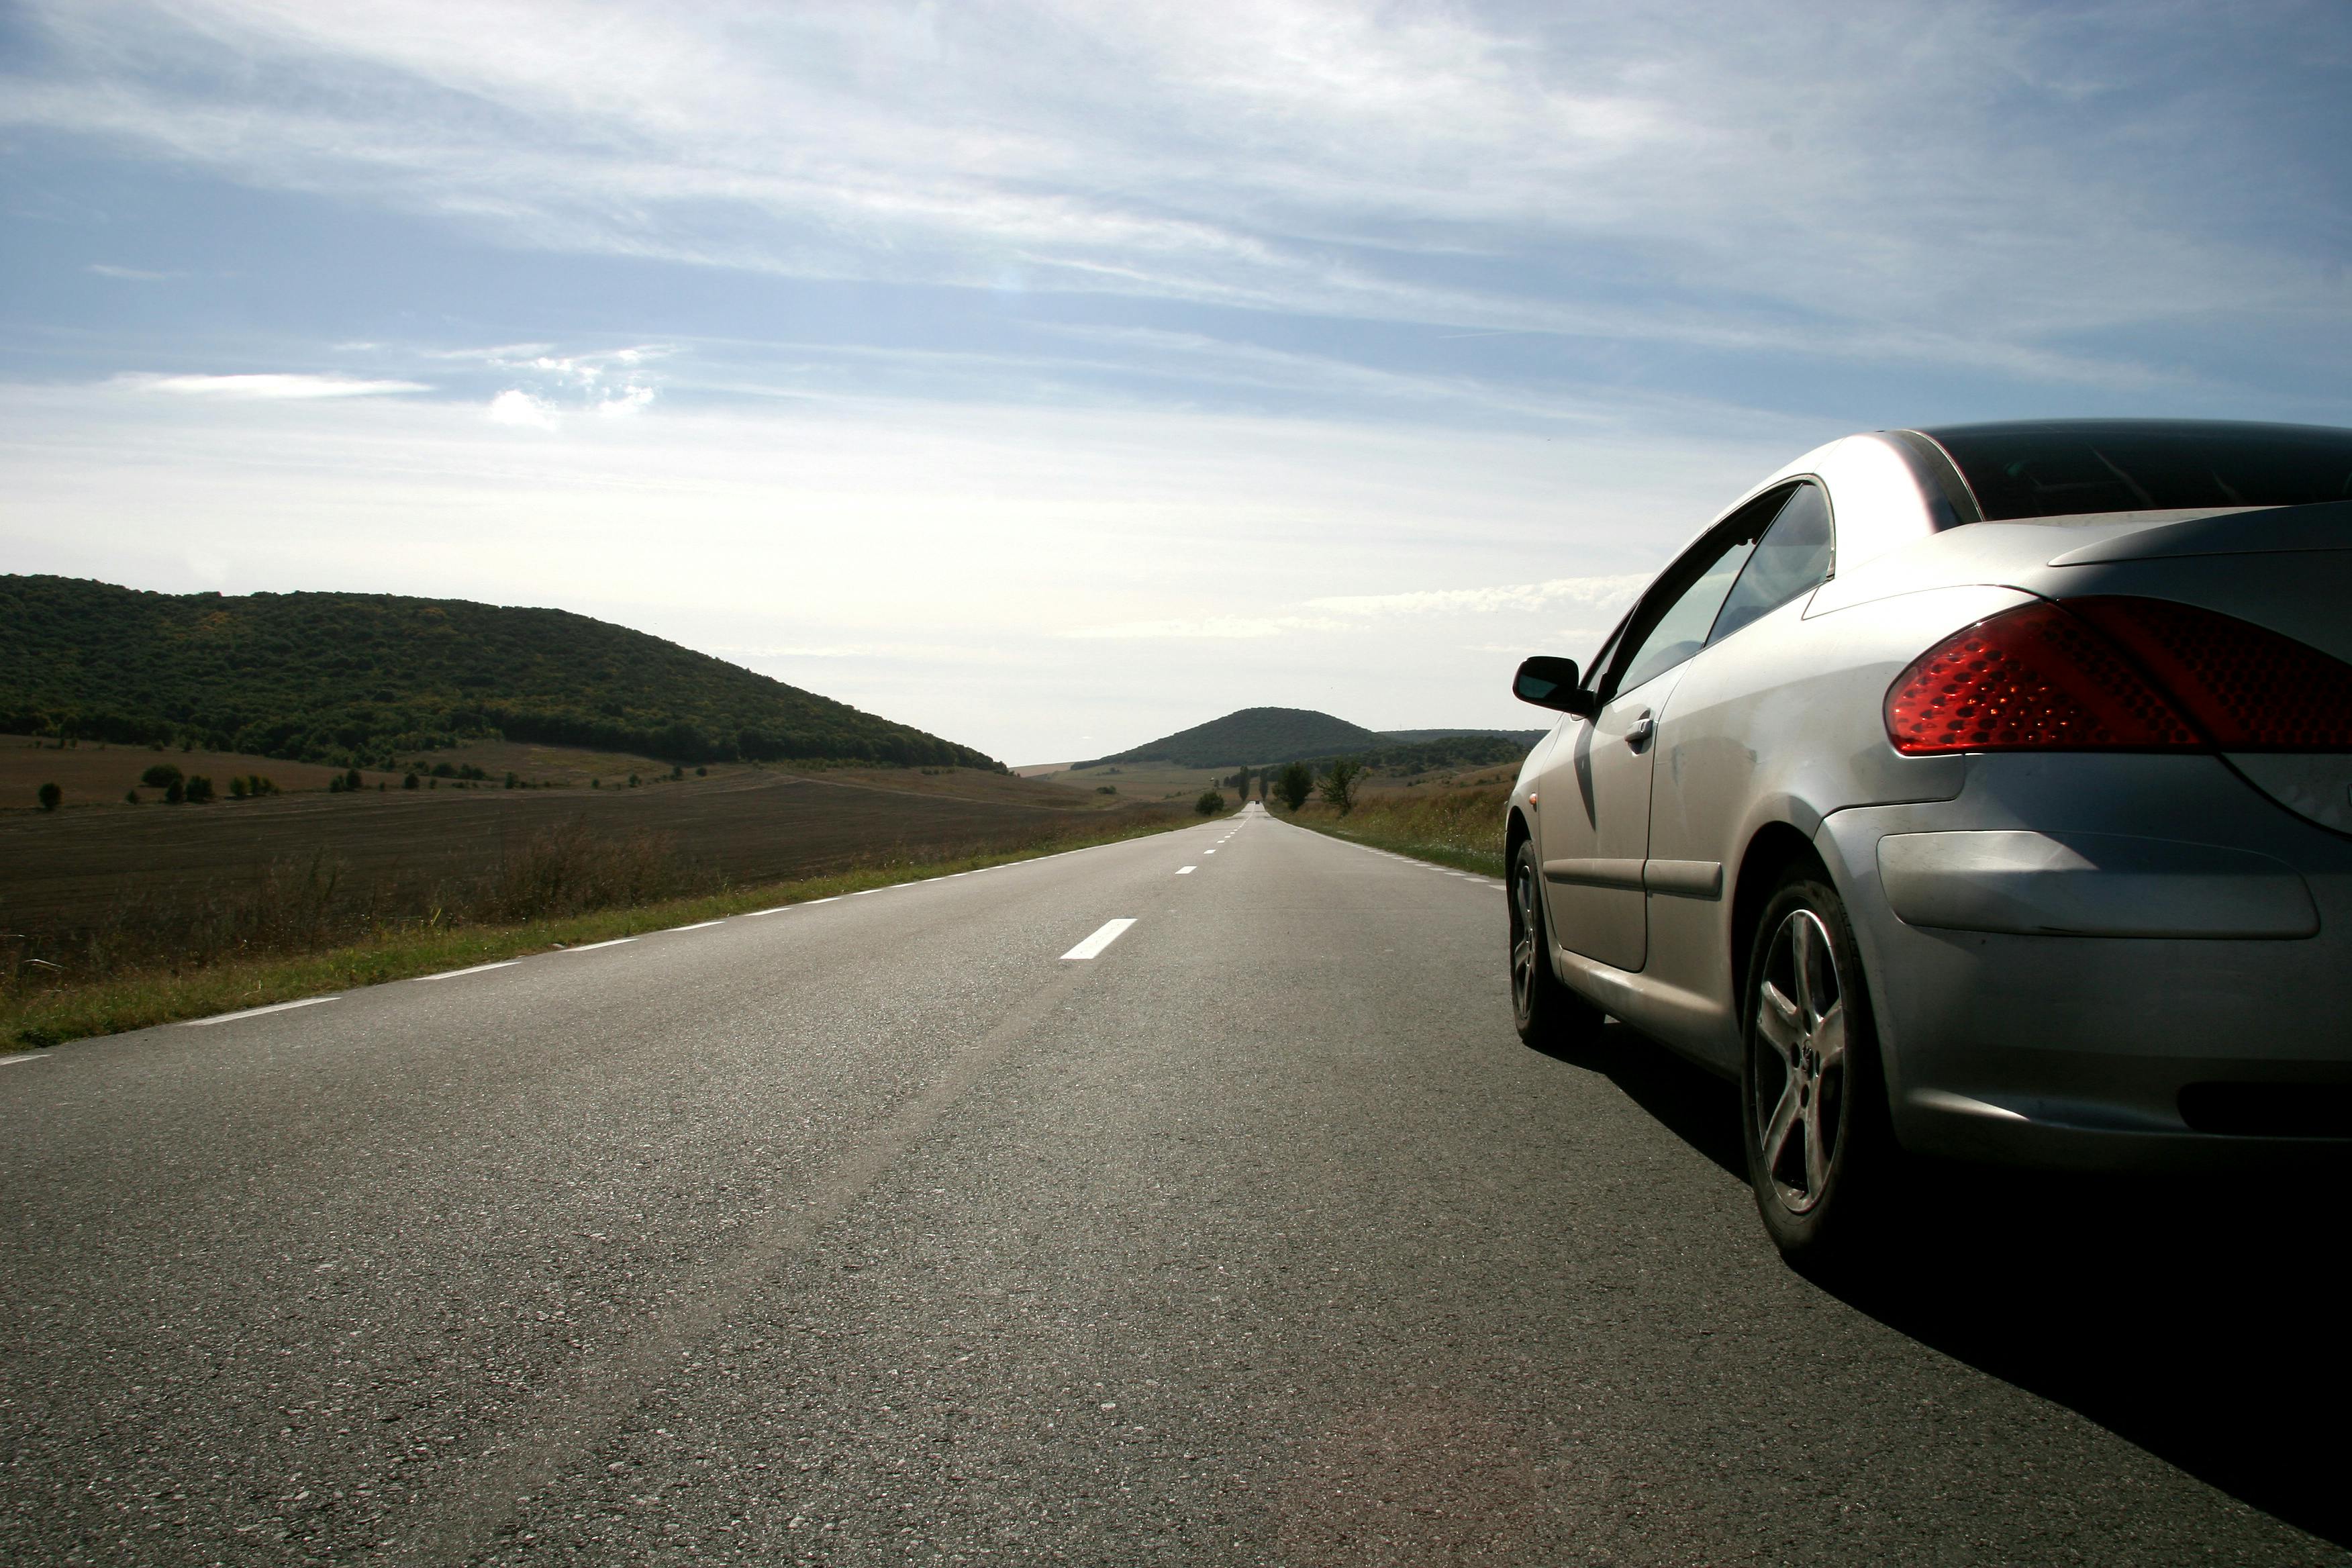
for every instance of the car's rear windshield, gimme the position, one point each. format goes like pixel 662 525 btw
pixel 2054 470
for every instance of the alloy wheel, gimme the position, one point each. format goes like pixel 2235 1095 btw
pixel 1801 1023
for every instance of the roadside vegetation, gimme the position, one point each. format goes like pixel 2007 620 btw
pixel 1452 825
pixel 298 931
pixel 368 680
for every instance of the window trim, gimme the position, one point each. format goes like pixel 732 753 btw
pixel 1683 573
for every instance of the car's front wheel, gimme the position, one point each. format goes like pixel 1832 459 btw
pixel 1549 1016
pixel 1820 1149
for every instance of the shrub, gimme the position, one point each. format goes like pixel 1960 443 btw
pixel 163 776
pixel 50 797
pixel 1338 786
pixel 174 792
pixel 1106 789
pixel 1295 784
pixel 512 781
pixel 1209 804
pixel 236 786
pixel 199 789
pixel 351 780
pixel 130 798
pixel 409 783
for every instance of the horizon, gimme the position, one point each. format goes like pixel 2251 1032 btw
pixel 1047 378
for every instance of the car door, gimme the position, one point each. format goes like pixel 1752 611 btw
pixel 1592 810
pixel 1738 707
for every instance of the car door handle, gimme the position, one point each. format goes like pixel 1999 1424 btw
pixel 1638 733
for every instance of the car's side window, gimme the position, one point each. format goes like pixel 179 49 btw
pixel 1675 616
pixel 1793 558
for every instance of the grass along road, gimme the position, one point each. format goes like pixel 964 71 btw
pixel 1457 827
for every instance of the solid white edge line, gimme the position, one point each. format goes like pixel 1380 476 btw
pixel 255 1012
pixel 10 1061
pixel 698 925
pixel 780 909
pixel 1107 933
pixel 592 946
pixel 478 969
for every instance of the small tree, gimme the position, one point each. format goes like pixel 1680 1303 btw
pixel 410 783
pixel 50 797
pixel 174 792
pixel 1209 804
pixel 130 798
pixel 1338 786
pixel 351 780
pixel 236 786
pixel 198 789
pixel 163 776
pixel 1296 782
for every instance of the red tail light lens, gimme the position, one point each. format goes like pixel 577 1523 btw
pixel 2119 674
pixel 2245 686
pixel 2030 678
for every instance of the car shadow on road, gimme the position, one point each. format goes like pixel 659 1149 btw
pixel 2204 1321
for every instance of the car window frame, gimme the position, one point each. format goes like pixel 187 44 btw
pixel 1681 575
pixel 1829 507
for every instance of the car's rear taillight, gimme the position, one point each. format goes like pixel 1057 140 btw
pixel 2031 678
pixel 2113 673
pixel 2246 686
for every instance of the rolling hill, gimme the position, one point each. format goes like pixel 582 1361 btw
pixel 359 679
pixel 1249 737
pixel 1252 737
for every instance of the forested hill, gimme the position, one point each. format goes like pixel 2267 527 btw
pixel 354 678
pixel 1250 736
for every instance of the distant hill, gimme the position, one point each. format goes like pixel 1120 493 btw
pixel 1255 736
pixel 362 678
pixel 1252 736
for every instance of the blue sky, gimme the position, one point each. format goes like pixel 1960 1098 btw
pixel 1054 376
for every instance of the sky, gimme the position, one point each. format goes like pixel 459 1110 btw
pixel 1053 376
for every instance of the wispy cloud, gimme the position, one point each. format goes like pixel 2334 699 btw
pixel 131 274
pixel 269 387
pixel 1640 174
pixel 1605 593
pixel 1352 612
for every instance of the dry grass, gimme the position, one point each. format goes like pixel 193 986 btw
pixel 289 936
pixel 1460 828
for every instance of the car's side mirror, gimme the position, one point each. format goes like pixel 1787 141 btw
pixel 1552 683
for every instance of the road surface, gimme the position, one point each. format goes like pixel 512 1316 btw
pixel 958 1222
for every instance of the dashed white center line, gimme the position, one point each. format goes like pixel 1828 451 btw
pixel 256 1012
pixel 1110 931
pixel 478 969
pixel 592 946
pixel 1186 870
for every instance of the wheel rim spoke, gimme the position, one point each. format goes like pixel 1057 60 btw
pixel 1829 1038
pixel 1777 1130
pixel 1817 1153
pixel 1779 1022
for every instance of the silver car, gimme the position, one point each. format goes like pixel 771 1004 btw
pixel 1980 792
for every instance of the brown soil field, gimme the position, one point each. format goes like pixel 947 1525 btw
pixel 92 868
pixel 93 774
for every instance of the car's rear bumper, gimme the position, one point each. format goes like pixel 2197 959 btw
pixel 2125 963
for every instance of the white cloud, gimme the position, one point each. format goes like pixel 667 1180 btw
pixel 1754 180
pixel 269 387
pixel 1611 593
pixel 1215 628
pixel 132 274
pixel 515 406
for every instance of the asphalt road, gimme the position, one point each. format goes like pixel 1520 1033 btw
pixel 878 1231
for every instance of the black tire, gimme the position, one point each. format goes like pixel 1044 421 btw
pixel 1548 1015
pixel 1821 1154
